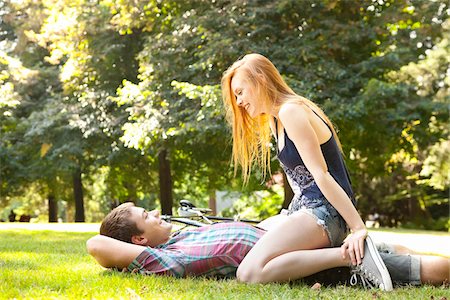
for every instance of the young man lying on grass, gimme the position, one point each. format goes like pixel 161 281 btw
pixel 136 240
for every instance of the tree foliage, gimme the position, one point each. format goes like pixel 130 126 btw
pixel 104 88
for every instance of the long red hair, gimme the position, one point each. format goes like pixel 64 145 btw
pixel 252 136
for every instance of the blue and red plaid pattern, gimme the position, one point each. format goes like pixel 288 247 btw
pixel 213 251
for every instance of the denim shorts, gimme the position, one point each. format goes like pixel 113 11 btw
pixel 327 217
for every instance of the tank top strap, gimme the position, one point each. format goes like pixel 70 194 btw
pixel 276 128
pixel 321 119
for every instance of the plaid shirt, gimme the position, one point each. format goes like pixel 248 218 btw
pixel 214 251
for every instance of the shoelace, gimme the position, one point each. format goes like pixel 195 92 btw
pixel 366 278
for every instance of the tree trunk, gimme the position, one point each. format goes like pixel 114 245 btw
pixel 212 202
pixel 131 190
pixel 417 215
pixel 288 193
pixel 78 195
pixel 165 183
pixel 52 209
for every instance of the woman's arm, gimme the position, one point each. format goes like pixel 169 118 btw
pixel 111 253
pixel 295 120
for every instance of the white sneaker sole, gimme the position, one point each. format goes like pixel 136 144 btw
pixel 387 282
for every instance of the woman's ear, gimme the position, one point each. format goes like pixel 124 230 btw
pixel 139 240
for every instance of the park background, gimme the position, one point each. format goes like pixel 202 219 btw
pixel 107 101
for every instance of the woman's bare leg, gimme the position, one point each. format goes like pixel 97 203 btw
pixel 270 222
pixel 278 255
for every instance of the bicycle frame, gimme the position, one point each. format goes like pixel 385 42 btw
pixel 191 220
pixel 190 215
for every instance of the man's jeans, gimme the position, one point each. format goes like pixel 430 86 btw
pixel 403 268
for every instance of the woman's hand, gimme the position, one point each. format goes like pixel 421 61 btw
pixel 354 246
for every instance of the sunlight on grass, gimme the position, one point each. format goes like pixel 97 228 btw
pixel 433 243
pixel 55 227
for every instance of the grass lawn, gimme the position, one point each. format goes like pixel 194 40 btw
pixel 44 264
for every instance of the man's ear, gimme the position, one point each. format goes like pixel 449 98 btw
pixel 139 240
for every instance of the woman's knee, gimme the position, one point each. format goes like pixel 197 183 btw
pixel 249 274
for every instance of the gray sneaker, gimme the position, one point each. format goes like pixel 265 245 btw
pixel 372 272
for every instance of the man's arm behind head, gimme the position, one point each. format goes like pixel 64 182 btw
pixel 111 253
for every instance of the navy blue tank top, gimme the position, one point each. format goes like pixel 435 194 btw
pixel 306 192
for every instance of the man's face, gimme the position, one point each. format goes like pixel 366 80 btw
pixel 155 230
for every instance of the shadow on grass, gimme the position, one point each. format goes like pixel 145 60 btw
pixel 329 278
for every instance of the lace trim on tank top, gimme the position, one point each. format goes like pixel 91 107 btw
pixel 306 191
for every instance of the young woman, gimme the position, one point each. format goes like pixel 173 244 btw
pixel 260 104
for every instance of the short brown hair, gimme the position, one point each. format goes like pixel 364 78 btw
pixel 118 225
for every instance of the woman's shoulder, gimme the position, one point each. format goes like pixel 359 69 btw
pixel 292 109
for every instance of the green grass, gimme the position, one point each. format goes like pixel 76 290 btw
pixel 55 265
